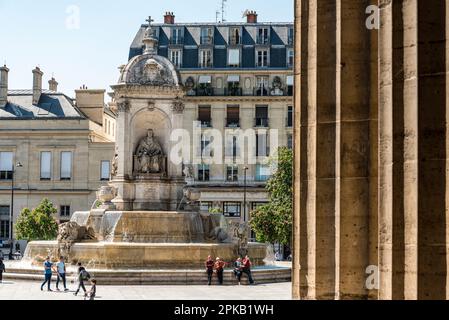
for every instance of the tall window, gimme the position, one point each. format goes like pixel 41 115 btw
pixel 176 36
pixel 290 141
pixel 263 172
pixel 66 165
pixel 262 144
pixel 105 170
pixel 233 117
pixel 232 209
pixel 203 172
pixel 232 148
pixel 291 36
pixel 262 86
pixel 45 165
pixel 262 58
pixel 290 58
pixel 176 57
pixel 205 58
pixel 234 58
pixel 290 83
pixel 261 116
pixel 232 173
pixel 6 166
pixel 205 147
pixel 290 117
pixel 207 36
pixel 4 222
pixel 263 36
pixel 65 211
pixel 205 116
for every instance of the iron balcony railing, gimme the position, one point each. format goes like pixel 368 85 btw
pixel 232 123
pixel 261 122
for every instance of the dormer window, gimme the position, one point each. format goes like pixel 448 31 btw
pixel 176 36
pixel 207 36
pixel 235 36
pixel 263 36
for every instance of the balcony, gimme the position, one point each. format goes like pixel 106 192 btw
pixel 232 123
pixel 205 123
pixel 233 92
pixel 261 92
pixel 205 92
pixel 261 122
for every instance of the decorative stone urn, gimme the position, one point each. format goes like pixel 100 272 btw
pixel 105 195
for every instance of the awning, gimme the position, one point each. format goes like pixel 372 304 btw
pixel 205 79
pixel 234 78
pixel 290 80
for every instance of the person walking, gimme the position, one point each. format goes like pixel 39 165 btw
pixel 90 295
pixel 247 269
pixel 238 266
pixel 209 269
pixel 61 273
pixel 83 275
pixel 219 269
pixel 2 269
pixel 48 271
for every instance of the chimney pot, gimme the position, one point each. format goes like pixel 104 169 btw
pixel 3 86
pixel 53 85
pixel 251 16
pixel 37 85
pixel 169 18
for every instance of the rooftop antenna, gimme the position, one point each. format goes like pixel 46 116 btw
pixel 223 8
pixel 217 16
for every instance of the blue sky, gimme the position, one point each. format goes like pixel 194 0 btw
pixel 47 33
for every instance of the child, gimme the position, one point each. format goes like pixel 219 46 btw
pixel 2 269
pixel 92 292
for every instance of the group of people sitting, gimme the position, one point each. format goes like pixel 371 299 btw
pixel 60 270
pixel 241 266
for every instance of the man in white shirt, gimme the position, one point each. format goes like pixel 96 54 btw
pixel 61 274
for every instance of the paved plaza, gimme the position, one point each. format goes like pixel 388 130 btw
pixel 26 290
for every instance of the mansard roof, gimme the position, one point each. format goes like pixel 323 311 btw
pixel 52 105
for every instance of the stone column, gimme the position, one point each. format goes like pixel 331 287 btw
pixel 333 149
pixel 412 211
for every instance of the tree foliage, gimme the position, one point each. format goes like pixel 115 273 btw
pixel 37 224
pixel 273 222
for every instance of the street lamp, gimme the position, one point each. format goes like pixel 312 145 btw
pixel 11 211
pixel 245 169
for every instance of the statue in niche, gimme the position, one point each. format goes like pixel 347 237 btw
pixel 149 155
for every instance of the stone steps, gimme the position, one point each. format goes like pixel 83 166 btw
pixel 158 277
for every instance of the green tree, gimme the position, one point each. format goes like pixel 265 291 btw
pixel 273 222
pixel 37 224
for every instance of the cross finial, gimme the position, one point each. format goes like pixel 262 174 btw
pixel 149 20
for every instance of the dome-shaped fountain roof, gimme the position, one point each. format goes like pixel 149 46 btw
pixel 150 69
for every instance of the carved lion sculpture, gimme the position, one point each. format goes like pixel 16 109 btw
pixel 72 232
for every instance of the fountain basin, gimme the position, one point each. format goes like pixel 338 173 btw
pixel 120 255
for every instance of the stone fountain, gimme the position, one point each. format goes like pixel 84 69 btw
pixel 147 218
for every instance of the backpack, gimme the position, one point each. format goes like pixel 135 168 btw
pixel 85 275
